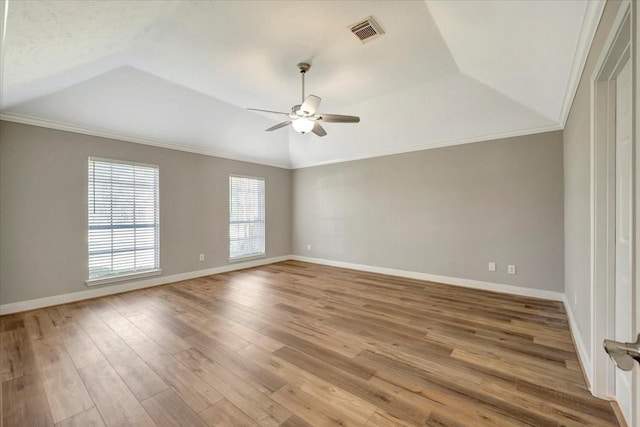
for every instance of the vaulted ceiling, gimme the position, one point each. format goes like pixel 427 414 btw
pixel 181 74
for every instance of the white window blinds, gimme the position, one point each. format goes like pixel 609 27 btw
pixel 246 217
pixel 123 218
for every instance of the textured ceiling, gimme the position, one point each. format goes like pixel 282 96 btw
pixel 181 74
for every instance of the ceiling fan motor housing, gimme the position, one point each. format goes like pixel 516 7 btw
pixel 297 112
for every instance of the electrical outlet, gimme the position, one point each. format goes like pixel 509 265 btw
pixel 308 247
pixel 201 257
pixel 492 266
pixel 511 269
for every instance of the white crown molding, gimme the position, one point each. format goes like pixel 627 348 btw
pixel 440 144
pixel 593 13
pixel 33 304
pixel 583 354
pixel 51 124
pixel 587 32
pixel 455 281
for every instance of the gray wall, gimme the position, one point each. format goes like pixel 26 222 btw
pixel 577 181
pixel 446 211
pixel 43 208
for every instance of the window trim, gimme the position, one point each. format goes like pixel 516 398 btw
pixel 122 277
pixel 138 274
pixel 252 256
pixel 247 257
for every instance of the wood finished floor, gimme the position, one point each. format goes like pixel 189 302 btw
pixel 295 344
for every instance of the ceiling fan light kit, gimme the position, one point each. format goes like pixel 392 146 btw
pixel 303 125
pixel 303 117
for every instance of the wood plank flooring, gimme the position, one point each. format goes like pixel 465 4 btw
pixel 296 344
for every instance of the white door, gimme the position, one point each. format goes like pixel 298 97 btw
pixel 624 232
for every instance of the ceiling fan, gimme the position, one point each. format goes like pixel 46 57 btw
pixel 304 117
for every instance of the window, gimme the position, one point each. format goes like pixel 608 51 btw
pixel 123 219
pixel 246 217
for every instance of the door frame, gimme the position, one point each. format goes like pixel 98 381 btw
pixel 635 135
pixel 620 45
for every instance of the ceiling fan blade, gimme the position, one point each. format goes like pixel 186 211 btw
pixel 267 111
pixel 278 126
pixel 310 105
pixel 318 130
pixel 338 118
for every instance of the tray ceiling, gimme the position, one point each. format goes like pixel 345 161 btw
pixel 181 74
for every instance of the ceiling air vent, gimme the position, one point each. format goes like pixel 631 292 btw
pixel 366 30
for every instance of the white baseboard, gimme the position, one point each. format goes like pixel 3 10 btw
pixel 155 281
pixel 130 286
pixel 583 355
pixel 456 281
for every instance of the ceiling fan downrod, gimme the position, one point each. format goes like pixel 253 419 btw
pixel 303 67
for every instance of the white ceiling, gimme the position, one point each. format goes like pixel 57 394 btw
pixel 181 74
